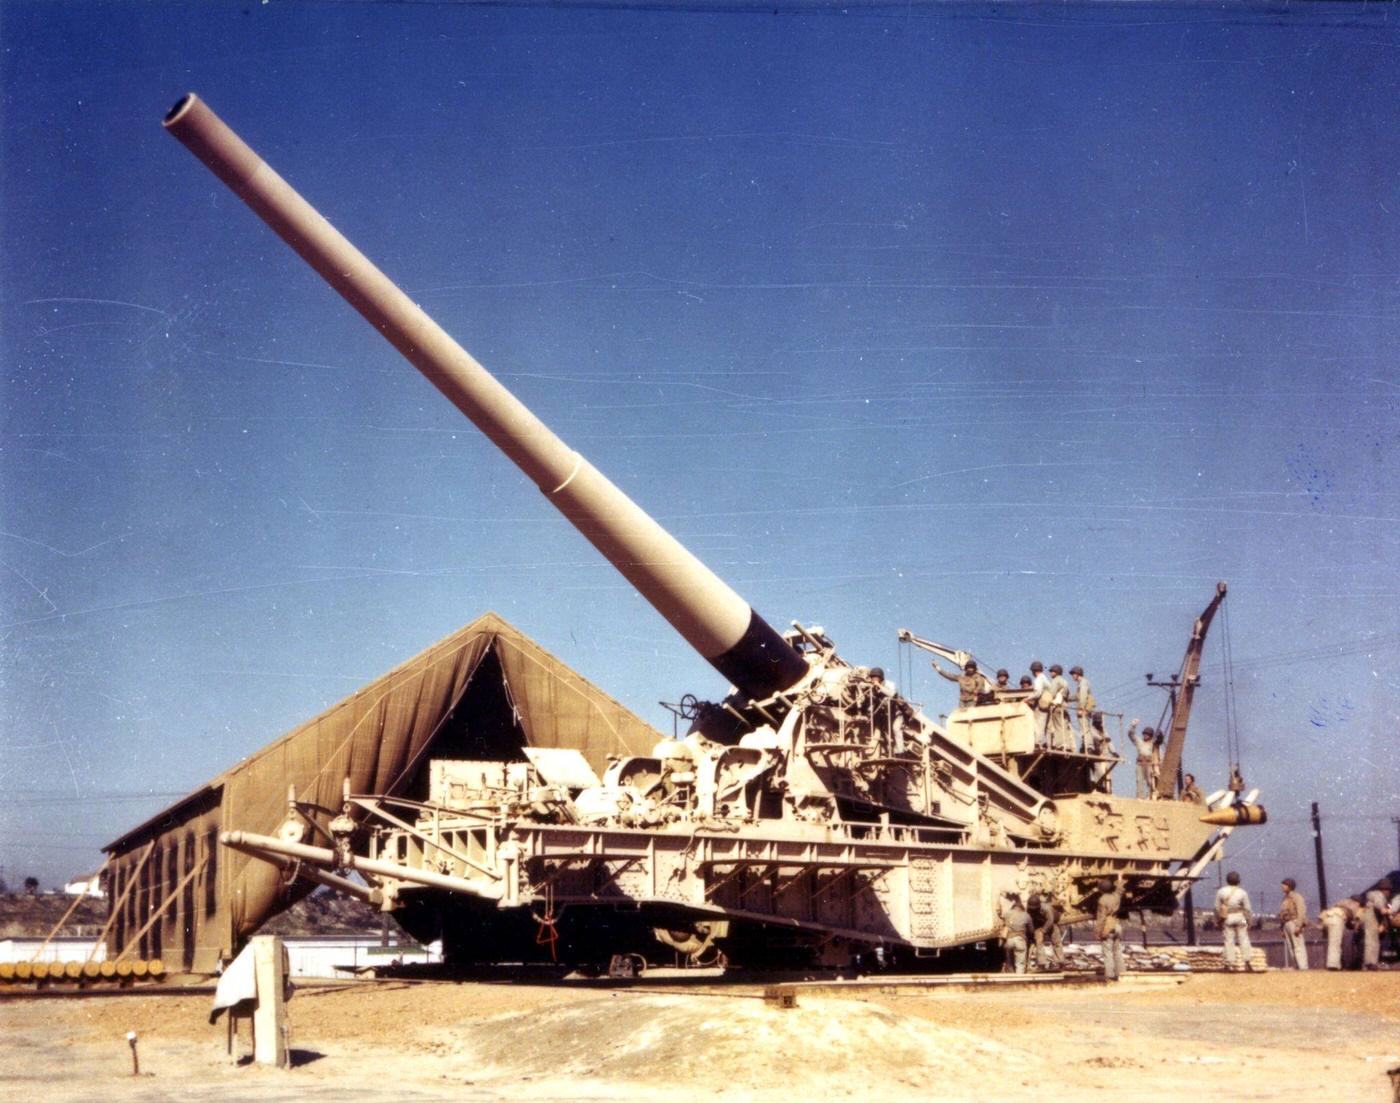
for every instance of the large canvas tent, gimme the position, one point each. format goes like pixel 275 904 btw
pixel 484 692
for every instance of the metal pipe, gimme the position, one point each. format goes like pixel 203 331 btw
pixel 714 619
pixel 257 845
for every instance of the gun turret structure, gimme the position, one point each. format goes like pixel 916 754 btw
pixel 811 815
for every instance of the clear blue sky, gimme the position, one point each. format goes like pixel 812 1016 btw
pixel 1018 326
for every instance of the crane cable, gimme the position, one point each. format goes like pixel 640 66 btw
pixel 1227 660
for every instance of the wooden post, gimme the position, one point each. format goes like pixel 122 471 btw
pixel 270 1014
pixel 1317 857
pixel 87 886
pixel 116 907
pixel 155 915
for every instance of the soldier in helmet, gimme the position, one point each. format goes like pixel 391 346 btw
pixel 1108 930
pixel 1293 918
pixel 1040 700
pixel 1098 743
pixel 971 684
pixel 1084 703
pixel 1143 745
pixel 1234 912
pixel 1158 754
pixel 1061 735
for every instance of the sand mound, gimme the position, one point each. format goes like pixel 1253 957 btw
pixel 710 1043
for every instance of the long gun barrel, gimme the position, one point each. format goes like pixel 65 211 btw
pixel 714 619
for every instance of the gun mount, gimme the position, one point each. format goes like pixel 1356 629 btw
pixel 813 810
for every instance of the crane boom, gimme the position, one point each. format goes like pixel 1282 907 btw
pixel 1181 700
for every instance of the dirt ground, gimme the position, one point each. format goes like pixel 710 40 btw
pixel 1315 1036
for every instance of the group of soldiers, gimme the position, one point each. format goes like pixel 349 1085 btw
pixel 1046 692
pixel 1372 912
pixel 1051 698
pixel 1033 935
pixel 1033 925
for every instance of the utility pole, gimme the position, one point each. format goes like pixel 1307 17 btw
pixel 1396 821
pixel 1317 849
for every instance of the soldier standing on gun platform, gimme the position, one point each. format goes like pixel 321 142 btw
pixel 1039 702
pixel 1108 930
pixel 1143 744
pixel 971 685
pixel 1084 703
pixel 1233 910
pixel 1061 735
pixel 1293 917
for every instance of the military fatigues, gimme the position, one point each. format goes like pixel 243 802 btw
pixel 1232 907
pixel 1143 746
pixel 1049 939
pixel 1039 682
pixel 1109 932
pixel 1334 921
pixel 1192 794
pixel 1058 732
pixel 1293 915
pixel 1017 922
pixel 1374 910
pixel 970 686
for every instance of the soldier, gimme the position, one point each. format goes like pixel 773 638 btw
pixel 1060 734
pixel 1143 745
pixel 1155 773
pixel 1039 701
pixel 1003 680
pixel 1017 923
pixel 1084 702
pixel 971 685
pixel 1375 913
pixel 1099 744
pixel 1293 917
pixel 1038 678
pixel 1335 921
pixel 1108 930
pixel 1045 924
pixel 1190 791
pixel 1233 910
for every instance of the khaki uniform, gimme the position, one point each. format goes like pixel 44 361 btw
pixel 970 686
pixel 1293 915
pixel 1192 794
pixel 1143 746
pixel 1049 939
pixel 1334 921
pixel 1374 911
pixel 1232 908
pixel 1109 932
pixel 1084 707
pixel 1018 930
pixel 1058 732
